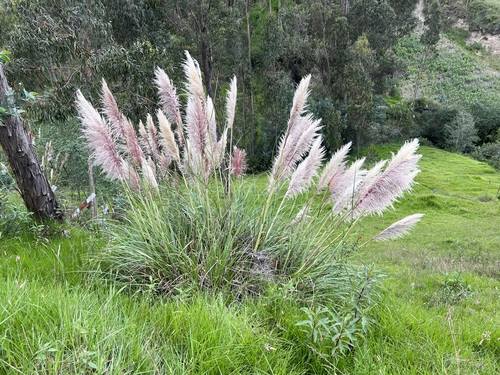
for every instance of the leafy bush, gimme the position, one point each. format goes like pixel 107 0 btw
pixel 461 133
pixel 487 120
pixel 433 120
pixel 13 215
pixel 489 153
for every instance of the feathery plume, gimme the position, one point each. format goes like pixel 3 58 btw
pixel 192 161
pixel 399 228
pixel 299 128
pixel 306 170
pixel 112 112
pixel 143 140
pixel 167 138
pixel 397 178
pixel 299 101
pixel 130 175
pixel 238 162
pixel 293 148
pixel 152 136
pixel 133 147
pixel 99 140
pixel 231 103
pixel 168 97
pixel 211 140
pixel 336 164
pixel 149 175
pixel 344 188
pixel 194 83
pixel 196 125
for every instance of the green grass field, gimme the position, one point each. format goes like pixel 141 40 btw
pixel 438 312
pixel 441 302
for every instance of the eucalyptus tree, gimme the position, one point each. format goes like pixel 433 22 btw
pixel 57 46
pixel 31 180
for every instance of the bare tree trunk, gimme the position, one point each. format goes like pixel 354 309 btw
pixel 31 180
pixel 206 62
pixel 345 7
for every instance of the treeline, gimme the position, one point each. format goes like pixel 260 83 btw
pixel 347 45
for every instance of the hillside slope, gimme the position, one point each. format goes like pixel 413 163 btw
pixel 439 312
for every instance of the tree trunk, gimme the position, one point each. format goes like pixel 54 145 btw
pixel 206 63
pixel 31 180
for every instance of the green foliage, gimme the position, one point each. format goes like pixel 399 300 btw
pixel 438 298
pixel 489 153
pixel 484 15
pixel 14 218
pixel 433 23
pixel 461 134
pixel 487 121
pixel 4 56
pixel 358 88
pixel 333 333
pixel 453 77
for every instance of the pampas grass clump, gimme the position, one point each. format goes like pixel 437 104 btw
pixel 192 224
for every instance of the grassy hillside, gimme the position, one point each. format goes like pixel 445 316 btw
pixel 441 293
pixel 454 75
pixel 438 312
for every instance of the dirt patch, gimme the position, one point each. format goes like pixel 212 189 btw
pixel 489 42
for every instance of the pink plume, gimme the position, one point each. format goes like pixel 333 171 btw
pixel 343 190
pixel 336 164
pixel 238 162
pixel 302 177
pixel 194 83
pixel 196 125
pixel 133 146
pixel 111 111
pixel 99 140
pixel 377 195
pixel 167 138
pixel 168 97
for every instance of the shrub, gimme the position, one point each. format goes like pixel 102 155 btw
pixel 489 153
pixel 461 133
pixel 192 225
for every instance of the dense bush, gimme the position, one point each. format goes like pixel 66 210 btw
pixel 487 121
pixel 489 153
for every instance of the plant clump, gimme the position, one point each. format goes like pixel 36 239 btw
pixel 192 225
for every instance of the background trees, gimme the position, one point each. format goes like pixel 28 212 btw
pixel 348 46
pixel 65 45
